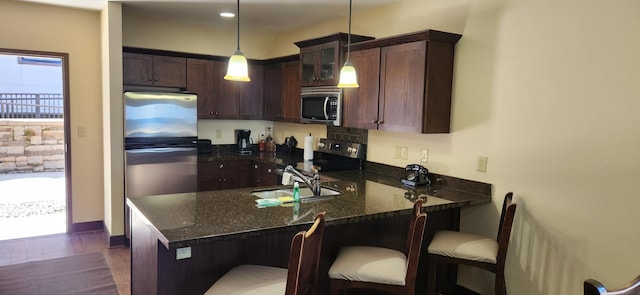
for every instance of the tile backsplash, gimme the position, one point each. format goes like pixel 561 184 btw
pixel 347 134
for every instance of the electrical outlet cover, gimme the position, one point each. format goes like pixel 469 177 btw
pixel 183 253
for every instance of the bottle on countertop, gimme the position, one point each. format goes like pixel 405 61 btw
pixel 262 143
pixel 296 192
pixel 270 145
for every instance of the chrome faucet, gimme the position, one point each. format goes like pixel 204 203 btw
pixel 313 182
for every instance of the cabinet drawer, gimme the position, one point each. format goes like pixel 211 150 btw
pixel 228 174
pixel 264 174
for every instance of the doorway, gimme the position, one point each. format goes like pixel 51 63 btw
pixel 35 169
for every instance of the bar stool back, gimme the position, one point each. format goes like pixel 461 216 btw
pixel 452 247
pixel 299 278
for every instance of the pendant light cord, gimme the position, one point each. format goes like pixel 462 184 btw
pixel 348 36
pixel 238 24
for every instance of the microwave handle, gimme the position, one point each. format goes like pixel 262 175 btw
pixel 324 109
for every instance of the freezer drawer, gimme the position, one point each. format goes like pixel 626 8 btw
pixel 158 171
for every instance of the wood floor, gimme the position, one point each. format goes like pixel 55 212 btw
pixel 61 245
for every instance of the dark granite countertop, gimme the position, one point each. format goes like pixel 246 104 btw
pixel 228 153
pixel 202 217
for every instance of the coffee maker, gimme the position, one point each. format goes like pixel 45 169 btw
pixel 243 141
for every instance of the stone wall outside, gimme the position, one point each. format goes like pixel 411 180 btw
pixel 31 145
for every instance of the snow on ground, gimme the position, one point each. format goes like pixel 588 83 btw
pixel 32 204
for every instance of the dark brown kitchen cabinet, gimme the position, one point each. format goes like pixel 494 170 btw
pixel 154 70
pixel 200 82
pixel 233 99
pixel 282 89
pixel 401 97
pixel 413 88
pixel 225 97
pixel 251 94
pixel 273 91
pixel 291 91
pixel 264 174
pixel 320 64
pixel 223 174
pixel 360 105
pixel 321 58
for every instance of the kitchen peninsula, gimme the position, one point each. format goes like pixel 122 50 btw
pixel 182 243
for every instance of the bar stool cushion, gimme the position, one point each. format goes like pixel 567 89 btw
pixel 370 264
pixel 464 246
pixel 251 279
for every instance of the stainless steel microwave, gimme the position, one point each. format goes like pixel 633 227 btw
pixel 321 105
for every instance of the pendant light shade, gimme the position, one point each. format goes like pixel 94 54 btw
pixel 238 70
pixel 348 77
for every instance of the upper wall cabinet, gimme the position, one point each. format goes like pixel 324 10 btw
pixel 200 82
pixel 251 95
pixel 321 58
pixel 222 99
pixel 291 91
pixel 273 91
pixel 154 70
pixel 282 89
pixel 405 83
pixel 360 105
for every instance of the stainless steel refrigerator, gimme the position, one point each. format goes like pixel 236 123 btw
pixel 161 155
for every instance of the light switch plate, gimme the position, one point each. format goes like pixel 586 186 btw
pixel 82 131
pixel 482 164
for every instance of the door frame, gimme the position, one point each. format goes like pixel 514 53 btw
pixel 66 99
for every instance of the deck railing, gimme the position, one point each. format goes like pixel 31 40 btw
pixel 31 105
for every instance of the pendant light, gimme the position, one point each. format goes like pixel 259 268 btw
pixel 348 77
pixel 238 69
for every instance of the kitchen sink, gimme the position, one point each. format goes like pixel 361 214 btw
pixel 304 193
pixel 271 194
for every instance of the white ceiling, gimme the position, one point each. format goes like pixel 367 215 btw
pixel 272 16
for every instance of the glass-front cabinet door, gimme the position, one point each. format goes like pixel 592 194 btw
pixel 319 64
pixel 308 57
pixel 328 59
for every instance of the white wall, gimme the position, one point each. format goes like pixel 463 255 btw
pixel 563 135
pixel 222 131
pixel 30 26
pixel 112 118
pixel 141 30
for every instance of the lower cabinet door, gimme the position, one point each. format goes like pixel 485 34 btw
pixel 223 174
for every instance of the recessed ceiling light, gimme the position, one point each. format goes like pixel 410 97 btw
pixel 227 14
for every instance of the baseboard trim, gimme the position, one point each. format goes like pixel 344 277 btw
pixel 117 241
pixel 87 226
pixel 114 241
